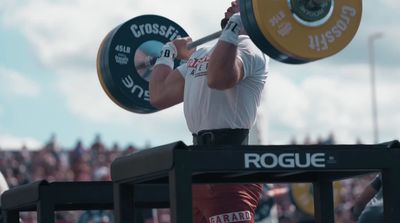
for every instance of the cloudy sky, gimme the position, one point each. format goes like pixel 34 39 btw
pixel 48 79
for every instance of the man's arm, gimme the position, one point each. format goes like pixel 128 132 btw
pixel 368 193
pixel 360 203
pixel 166 87
pixel 225 70
pixel 166 84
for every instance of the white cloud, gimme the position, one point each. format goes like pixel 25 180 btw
pixel 66 36
pixel 10 142
pixel 68 33
pixel 330 99
pixel 7 6
pixel 85 98
pixel 393 4
pixel 16 84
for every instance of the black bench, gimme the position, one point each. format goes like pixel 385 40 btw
pixel 178 166
pixel 45 198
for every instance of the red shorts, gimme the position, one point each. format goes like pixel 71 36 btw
pixel 225 203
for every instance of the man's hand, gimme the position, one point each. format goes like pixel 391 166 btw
pixel 237 20
pixel 232 30
pixel 183 53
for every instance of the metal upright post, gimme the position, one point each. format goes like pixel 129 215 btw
pixel 323 201
pixel 180 186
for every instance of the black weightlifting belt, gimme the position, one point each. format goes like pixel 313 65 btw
pixel 221 137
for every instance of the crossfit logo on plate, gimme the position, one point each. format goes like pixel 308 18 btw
pixel 322 41
pixel 284 160
pixel 231 217
pixel 169 32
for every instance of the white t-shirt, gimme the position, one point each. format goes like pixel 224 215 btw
pixel 234 108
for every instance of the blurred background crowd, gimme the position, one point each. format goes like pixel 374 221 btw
pixel 282 203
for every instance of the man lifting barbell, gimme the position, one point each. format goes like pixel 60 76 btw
pixel 289 31
pixel 220 87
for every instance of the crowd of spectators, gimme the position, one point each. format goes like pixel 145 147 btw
pixel 55 163
pixel 92 163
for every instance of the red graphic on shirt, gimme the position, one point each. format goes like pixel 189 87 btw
pixel 195 62
pixel 198 66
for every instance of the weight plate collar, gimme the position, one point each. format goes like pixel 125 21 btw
pixel 311 12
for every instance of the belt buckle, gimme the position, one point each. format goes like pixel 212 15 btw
pixel 207 138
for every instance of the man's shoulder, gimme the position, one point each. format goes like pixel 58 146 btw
pixel 245 41
pixel 247 46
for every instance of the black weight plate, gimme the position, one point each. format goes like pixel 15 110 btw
pixel 120 75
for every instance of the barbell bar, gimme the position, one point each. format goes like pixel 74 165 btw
pixel 150 61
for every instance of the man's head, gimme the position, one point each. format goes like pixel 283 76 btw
pixel 234 8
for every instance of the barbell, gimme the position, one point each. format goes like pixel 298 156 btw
pixel 289 31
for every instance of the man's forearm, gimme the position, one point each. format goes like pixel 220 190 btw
pixel 224 70
pixel 360 203
pixel 157 83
